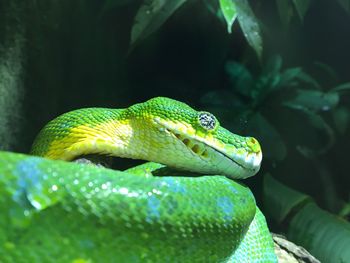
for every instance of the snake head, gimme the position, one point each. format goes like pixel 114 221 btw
pixel 160 130
pixel 181 137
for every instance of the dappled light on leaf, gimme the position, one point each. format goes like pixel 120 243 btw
pixel 240 78
pixel 313 100
pixel 301 6
pixel 151 15
pixel 228 8
pixel 250 26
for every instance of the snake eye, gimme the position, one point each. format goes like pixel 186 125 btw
pixel 207 120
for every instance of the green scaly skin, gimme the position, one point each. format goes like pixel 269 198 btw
pixel 54 211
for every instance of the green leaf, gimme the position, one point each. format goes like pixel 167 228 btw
pixel 280 200
pixel 345 4
pixel 265 84
pixel 324 235
pixel 228 8
pixel 345 211
pixel 308 79
pixel 241 79
pixel 301 6
pixel 273 65
pixel 326 71
pixel 214 7
pixel 341 118
pixel 250 25
pixel 268 80
pixel 313 100
pixel 151 15
pixel 285 11
pixel 342 87
pixel 319 123
pixel 289 76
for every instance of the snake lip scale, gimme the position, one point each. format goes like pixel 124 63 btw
pixel 186 141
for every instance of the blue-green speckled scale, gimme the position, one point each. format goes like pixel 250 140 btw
pixel 111 216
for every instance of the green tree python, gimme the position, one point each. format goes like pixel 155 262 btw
pixel 58 211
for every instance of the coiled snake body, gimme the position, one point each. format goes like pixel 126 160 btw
pixel 55 211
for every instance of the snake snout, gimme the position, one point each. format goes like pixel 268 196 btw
pixel 250 158
pixel 252 161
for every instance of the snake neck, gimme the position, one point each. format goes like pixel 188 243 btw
pixel 83 132
pixel 108 132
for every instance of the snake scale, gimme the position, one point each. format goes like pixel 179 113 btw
pixel 58 211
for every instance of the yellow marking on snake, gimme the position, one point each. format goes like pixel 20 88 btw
pixel 110 138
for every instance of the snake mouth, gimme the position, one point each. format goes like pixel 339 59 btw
pixel 227 159
pixel 202 150
pixel 198 148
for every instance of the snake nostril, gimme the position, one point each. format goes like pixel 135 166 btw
pixel 253 144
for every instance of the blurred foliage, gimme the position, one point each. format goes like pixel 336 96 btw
pixel 345 4
pixel 248 97
pixel 287 10
pixel 151 15
pixel 241 10
pixel 323 234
